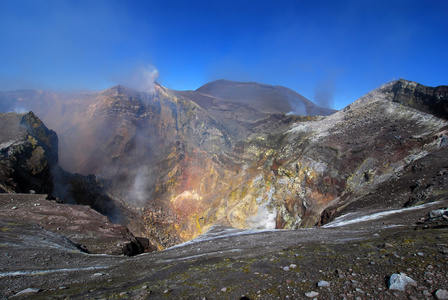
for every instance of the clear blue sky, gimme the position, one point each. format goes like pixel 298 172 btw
pixel 329 51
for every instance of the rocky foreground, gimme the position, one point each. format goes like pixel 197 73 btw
pixel 354 257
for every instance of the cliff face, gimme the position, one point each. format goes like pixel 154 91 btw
pixel 175 163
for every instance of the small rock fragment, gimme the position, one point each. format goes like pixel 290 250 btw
pixel 286 269
pixel 323 283
pixel 438 213
pixel 441 294
pixel 400 281
pixel 292 266
pixel 223 289
pixel 14 207
pixel 312 294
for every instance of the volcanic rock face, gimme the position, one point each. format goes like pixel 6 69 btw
pixel 28 153
pixel 176 163
pixel 423 98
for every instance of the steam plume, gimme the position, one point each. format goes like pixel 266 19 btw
pixel 142 78
pixel 140 191
pixel 324 92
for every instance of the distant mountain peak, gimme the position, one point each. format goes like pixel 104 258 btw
pixel 263 97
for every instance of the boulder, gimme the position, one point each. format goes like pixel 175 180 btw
pixel 400 282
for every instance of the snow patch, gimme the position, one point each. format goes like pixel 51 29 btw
pixel 42 272
pixel 219 232
pixel 351 218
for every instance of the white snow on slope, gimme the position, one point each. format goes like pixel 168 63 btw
pixel 353 218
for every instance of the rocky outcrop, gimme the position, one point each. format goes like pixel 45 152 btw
pixel 45 138
pixel 28 154
pixel 426 99
pixel 85 190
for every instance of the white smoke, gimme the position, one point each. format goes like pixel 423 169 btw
pixel 148 77
pixel 142 78
pixel 20 109
pixel 140 191
pixel 324 92
pixel 299 108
